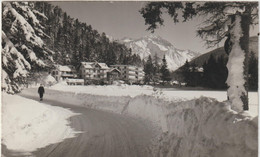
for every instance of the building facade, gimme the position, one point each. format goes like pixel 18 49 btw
pixel 113 75
pixel 130 74
pixel 93 72
pixel 62 72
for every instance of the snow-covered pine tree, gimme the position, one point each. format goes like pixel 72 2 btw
pixel 220 19
pixel 23 49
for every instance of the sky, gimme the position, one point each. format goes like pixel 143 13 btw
pixel 122 19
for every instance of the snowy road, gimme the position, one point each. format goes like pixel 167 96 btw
pixel 103 134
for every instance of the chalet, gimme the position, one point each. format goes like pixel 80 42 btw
pixel 93 72
pixel 62 72
pixel 130 74
pixel 113 75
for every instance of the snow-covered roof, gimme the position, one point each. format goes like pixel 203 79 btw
pixel 103 66
pixel 64 68
pixel 114 69
pixel 87 65
pixel 90 65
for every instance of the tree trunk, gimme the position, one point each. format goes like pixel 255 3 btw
pixel 238 61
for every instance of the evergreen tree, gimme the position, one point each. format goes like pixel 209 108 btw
pixel 194 76
pixel 23 47
pixel 165 73
pixel 156 71
pixel 186 72
pixel 215 73
pixel 253 72
pixel 148 69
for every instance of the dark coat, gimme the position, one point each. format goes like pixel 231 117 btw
pixel 40 90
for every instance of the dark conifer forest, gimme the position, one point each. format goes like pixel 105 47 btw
pixel 74 41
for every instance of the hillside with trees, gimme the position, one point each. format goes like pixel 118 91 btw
pixel 220 52
pixel 215 72
pixel 37 35
pixel 75 41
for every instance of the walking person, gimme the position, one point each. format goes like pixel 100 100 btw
pixel 41 91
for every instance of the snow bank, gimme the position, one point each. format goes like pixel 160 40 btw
pixel 28 124
pixel 166 94
pixel 109 90
pixel 199 127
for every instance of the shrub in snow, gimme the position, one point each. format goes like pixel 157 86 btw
pixel 49 80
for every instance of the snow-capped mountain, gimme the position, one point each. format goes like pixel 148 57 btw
pixel 152 44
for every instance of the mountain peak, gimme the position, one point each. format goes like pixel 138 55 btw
pixel 155 45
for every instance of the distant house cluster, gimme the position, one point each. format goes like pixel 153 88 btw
pixel 98 73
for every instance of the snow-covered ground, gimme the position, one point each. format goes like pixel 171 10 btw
pixel 28 124
pixel 166 94
pixel 186 119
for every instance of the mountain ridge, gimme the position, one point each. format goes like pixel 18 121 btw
pixel 156 45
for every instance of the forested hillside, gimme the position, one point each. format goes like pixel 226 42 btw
pixel 220 52
pixel 215 71
pixel 36 35
pixel 75 41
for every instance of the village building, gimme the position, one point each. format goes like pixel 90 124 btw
pixel 62 72
pixel 113 75
pixel 93 72
pixel 130 74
